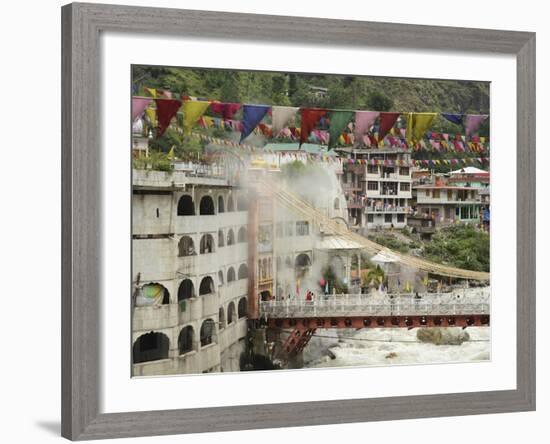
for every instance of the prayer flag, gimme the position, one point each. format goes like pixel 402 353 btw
pixel 166 110
pixel 387 120
pixel 252 115
pixel 310 118
pixel 138 106
pixel 417 125
pixel 338 121
pixel 363 121
pixel 454 118
pixel 227 110
pixel 192 112
pixel 472 122
pixel 280 116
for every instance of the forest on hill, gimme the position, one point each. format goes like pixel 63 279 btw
pixel 331 91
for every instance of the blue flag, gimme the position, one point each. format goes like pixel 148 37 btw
pixel 454 118
pixel 252 115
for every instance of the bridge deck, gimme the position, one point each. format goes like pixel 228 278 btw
pixel 432 304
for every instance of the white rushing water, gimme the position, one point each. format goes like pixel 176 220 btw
pixel 393 346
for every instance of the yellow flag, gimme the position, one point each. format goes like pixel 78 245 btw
pixel 171 153
pixel 192 111
pixel 152 92
pixel 418 124
pixel 151 115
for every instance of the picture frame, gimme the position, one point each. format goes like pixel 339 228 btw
pixel 81 218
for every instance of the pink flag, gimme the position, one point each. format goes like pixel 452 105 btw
pixel 472 122
pixel 138 106
pixel 363 121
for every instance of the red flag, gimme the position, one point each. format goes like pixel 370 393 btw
pixel 310 118
pixel 227 110
pixel 166 109
pixel 387 120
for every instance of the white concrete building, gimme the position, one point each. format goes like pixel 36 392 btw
pixel 189 246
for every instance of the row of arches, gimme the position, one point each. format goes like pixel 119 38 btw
pixel 231 313
pixel 186 245
pixel 186 205
pixel 154 346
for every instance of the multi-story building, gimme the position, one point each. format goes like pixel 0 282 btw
pixel 447 204
pixel 378 188
pixel 190 272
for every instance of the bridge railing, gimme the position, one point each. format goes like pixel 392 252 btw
pixel 367 305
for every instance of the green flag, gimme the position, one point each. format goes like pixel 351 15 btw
pixel 338 121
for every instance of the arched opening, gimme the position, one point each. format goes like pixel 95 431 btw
pixel 242 203
pixel 186 207
pixel 220 277
pixel 206 206
pixel 230 237
pixel 221 318
pixel 207 244
pixel 230 204
pixel 185 340
pixel 206 286
pixel 336 204
pixel 302 265
pixel 186 247
pixel 230 313
pixel 150 347
pixel 152 294
pixel 221 204
pixel 264 269
pixel 242 308
pixel 186 290
pixel 221 240
pixel 230 274
pixel 208 332
pixel 243 271
pixel 241 236
pixel 337 265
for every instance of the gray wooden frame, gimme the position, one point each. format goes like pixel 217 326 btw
pixel 81 230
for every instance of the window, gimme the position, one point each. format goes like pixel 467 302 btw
pixel 400 218
pixel 370 218
pixel 208 331
pixel 302 228
pixel 186 247
pixel 428 193
pixel 372 185
pixel 436 194
pixel 388 218
pixel 241 235
pixel 186 290
pixel 206 286
pixel 230 313
pixel 243 271
pixel 404 186
pixel 221 236
pixel 230 274
pixel 242 308
pixel 186 207
pixel 404 171
pixel 230 237
pixel 207 244
pixel 449 194
pixel 150 347
pixel 185 340
pixel 206 206
pixel 372 169
pixel 221 206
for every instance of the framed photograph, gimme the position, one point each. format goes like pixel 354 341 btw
pixel 313 222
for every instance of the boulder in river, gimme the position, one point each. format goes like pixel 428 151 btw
pixel 442 336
